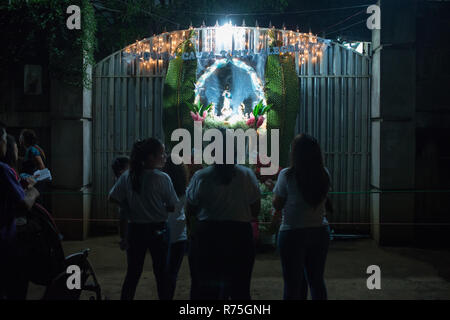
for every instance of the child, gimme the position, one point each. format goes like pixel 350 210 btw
pixel 176 222
pixel 119 166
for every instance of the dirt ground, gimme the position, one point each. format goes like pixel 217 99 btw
pixel 406 273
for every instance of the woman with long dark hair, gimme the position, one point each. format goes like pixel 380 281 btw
pixel 177 223
pixel 300 194
pixel 12 154
pixel 34 158
pixel 148 194
pixel 224 198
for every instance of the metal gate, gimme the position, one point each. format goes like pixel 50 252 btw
pixel 126 108
pixel 334 107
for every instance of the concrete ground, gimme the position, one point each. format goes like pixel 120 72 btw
pixel 406 273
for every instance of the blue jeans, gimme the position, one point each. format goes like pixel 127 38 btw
pixel 143 237
pixel 303 254
pixel 176 254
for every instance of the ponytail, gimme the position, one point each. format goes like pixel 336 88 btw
pixel 139 154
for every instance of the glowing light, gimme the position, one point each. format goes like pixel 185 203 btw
pixel 224 37
pixel 257 86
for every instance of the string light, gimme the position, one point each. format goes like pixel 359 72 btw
pixel 155 48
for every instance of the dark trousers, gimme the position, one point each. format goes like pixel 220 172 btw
pixel 222 259
pixel 13 276
pixel 303 254
pixel 143 237
pixel 193 270
pixel 176 254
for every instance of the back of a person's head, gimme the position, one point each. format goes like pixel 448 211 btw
pixel 29 137
pixel 178 174
pixel 2 128
pixel 224 172
pixel 140 152
pixel 308 168
pixel 119 165
pixel 3 142
pixel 10 157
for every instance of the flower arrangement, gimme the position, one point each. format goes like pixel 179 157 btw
pixel 239 120
pixel 198 111
pixel 265 215
pixel 257 116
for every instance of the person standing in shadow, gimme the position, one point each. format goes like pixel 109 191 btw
pixel 149 195
pixel 300 195
pixel 224 198
pixel 177 223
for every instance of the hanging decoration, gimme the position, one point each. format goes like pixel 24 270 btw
pixel 283 93
pixel 179 90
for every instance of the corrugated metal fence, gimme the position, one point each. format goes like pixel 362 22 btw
pixel 126 108
pixel 334 107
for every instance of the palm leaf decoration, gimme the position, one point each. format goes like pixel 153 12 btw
pixel 260 109
pixel 282 91
pixel 179 90
pixel 199 107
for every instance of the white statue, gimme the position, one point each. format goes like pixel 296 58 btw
pixel 226 109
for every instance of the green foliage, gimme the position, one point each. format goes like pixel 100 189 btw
pixel 211 123
pixel 260 109
pixel 88 39
pixel 265 215
pixel 199 107
pixel 36 31
pixel 282 91
pixel 275 96
pixel 179 92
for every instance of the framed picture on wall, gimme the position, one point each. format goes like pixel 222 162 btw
pixel 32 79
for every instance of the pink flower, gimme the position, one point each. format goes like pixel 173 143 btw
pixel 251 122
pixel 197 117
pixel 260 121
pixel 194 116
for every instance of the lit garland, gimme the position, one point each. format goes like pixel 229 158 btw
pixel 224 44
pixel 157 50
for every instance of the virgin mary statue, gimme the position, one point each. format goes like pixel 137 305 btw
pixel 226 109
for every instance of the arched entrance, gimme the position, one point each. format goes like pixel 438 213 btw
pixel 334 106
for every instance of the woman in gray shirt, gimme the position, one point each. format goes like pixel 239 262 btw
pixel 148 194
pixel 225 198
pixel 300 193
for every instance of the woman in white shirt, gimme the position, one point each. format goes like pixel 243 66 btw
pixel 148 195
pixel 177 223
pixel 300 193
pixel 224 198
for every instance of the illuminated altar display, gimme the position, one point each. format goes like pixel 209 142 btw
pixel 230 62
pixel 233 87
